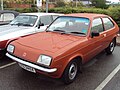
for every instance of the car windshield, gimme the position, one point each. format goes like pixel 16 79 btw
pixel 24 20
pixel 71 25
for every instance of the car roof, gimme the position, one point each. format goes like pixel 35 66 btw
pixel 8 11
pixel 41 14
pixel 86 15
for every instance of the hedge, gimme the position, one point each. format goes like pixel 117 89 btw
pixel 114 12
pixel 23 10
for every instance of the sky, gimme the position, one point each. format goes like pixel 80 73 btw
pixel 114 0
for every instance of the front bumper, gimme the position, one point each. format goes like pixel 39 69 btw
pixel 37 67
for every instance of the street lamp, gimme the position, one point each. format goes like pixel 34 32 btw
pixel 47 1
pixel 1 4
pixel 89 2
pixel 76 3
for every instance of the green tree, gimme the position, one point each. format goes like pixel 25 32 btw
pixel 99 3
pixel 60 3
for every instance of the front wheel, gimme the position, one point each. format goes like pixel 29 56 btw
pixel 110 48
pixel 2 54
pixel 70 72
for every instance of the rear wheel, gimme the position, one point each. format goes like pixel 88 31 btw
pixel 111 47
pixel 70 72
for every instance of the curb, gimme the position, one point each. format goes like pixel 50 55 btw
pixel 118 44
pixel 118 40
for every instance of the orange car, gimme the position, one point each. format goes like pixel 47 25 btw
pixel 70 41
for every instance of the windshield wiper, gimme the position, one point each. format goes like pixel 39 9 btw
pixel 59 30
pixel 77 33
pixel 12 24
pixel 19 24
pixel 22 24
pixel 26 24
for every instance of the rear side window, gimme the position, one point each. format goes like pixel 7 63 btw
pixel 46 20
pixel 108 24
pixel 97 25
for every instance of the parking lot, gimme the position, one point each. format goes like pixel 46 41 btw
pixel 95 73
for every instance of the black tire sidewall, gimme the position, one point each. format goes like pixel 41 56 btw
pixel 108 49
pixel 65 76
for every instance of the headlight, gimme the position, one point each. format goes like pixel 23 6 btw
pixel 45 60
pixel 10 48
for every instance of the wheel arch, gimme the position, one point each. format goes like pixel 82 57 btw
pixel 77 58
pixel 9 41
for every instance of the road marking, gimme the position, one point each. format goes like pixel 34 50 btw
pixel 7 65
pixel 107 80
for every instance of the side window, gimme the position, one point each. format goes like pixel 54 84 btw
pixel 7 17
pixel 108 23
pixel 97 25
pixel 46 20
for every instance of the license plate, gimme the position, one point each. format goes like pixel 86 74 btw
pixel 27 68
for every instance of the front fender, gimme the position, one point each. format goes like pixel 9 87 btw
pixel 63 62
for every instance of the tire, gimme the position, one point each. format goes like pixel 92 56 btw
pixel 70 72
pixel 111 47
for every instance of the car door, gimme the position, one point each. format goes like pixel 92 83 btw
pixel 43 22
pixel 109 30
pixel 96 44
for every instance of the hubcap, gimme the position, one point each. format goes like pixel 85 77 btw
pixel 72 71
pixel 112 46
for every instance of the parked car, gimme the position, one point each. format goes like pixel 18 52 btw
pixel 6 16
pixel 24 24
pixel 68 43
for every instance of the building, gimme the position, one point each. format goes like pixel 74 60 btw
pixel 84 2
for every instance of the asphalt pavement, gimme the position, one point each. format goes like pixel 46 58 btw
pixel 95 72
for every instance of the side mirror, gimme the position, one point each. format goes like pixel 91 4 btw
pixel 41 24
pixel 94 34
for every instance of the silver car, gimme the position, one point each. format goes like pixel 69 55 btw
pixel 24 24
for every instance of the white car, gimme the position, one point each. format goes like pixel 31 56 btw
pixel 25 24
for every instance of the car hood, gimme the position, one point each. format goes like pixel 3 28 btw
pixel 48 41
pixel 8 31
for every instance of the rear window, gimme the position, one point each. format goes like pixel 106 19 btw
pixel 46 20
pixel 7 17
pixel 108 24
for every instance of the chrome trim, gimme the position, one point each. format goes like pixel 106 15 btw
pixel 31 65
